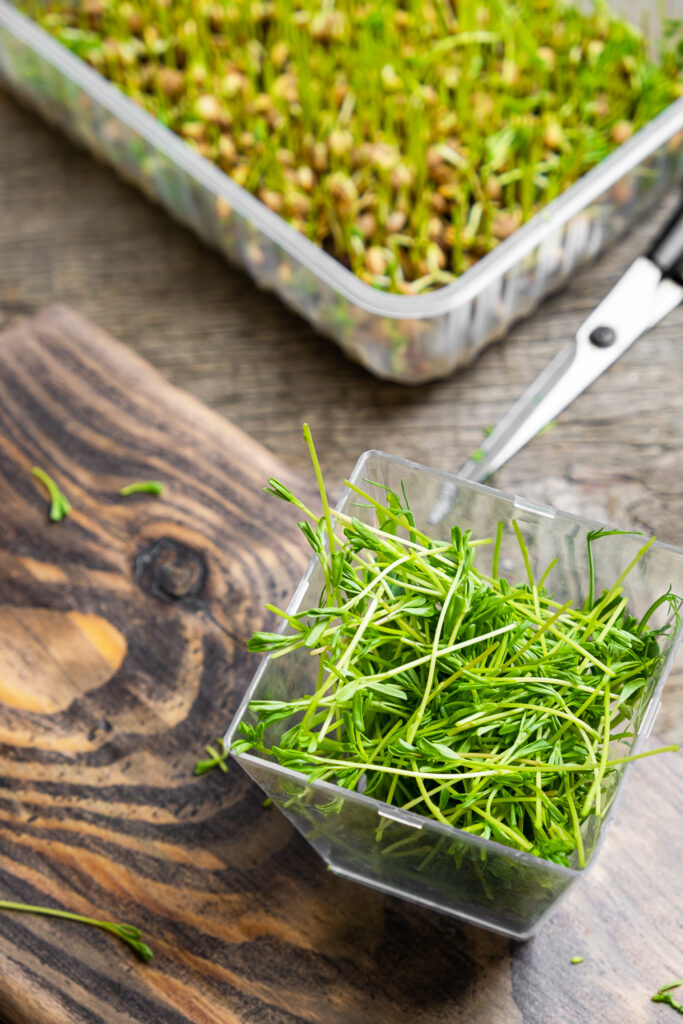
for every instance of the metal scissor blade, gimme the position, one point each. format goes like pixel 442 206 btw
pixel 561 381
pixel 639 300
pixel 629 310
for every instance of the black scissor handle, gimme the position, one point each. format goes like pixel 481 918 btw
pixel 666 252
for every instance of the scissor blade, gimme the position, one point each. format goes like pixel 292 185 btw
pixel 539 404
pixel 639 300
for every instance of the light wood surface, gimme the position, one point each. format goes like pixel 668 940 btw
pixel 69 231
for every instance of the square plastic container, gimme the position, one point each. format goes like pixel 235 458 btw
pixel 420 859
pixel 409 339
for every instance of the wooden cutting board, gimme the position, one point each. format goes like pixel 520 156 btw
pixel 122 651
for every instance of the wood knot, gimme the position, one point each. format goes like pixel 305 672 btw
pixel 170 570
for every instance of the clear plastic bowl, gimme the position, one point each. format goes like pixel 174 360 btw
pixel 419 859
pixel 405 338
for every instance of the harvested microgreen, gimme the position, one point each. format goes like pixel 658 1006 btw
pixel 664 995
pixel 268 802
pixel 60 506
pixel 128 933
pixel 451 692
pixel 216 759
pixel 142 487
pixel 577 960
pixel 407 139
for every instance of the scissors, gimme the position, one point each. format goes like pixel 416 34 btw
pixel 649 290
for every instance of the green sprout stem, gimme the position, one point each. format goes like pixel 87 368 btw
pixel 664 996
pixel 321 486
pixel 217 759
pixel 60 507
pixel 142 487
pixel 126 932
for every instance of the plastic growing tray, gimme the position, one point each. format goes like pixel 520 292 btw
pixel 418 858
pixel 404 338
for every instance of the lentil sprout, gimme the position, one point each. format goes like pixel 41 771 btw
pixel 407 138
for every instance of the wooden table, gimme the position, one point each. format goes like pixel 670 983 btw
pixel 71 232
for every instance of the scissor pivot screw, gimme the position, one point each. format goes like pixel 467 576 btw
pixel 603 337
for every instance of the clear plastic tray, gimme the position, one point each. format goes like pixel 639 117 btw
pixel 405 338
pixel 420 859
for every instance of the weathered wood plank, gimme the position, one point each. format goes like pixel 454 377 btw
pixel 122 647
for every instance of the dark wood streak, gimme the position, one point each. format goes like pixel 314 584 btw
pixel 100 813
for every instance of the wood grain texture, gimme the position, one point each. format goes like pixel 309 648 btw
pixel 123 637
pixel 71 231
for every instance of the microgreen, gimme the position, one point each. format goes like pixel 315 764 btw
pixel 577 960
pixel 217 759
pixel 128 933
pixel 142 487
pixel 664 995
pixel 407 138
pixel 60 506
pixel 453 692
